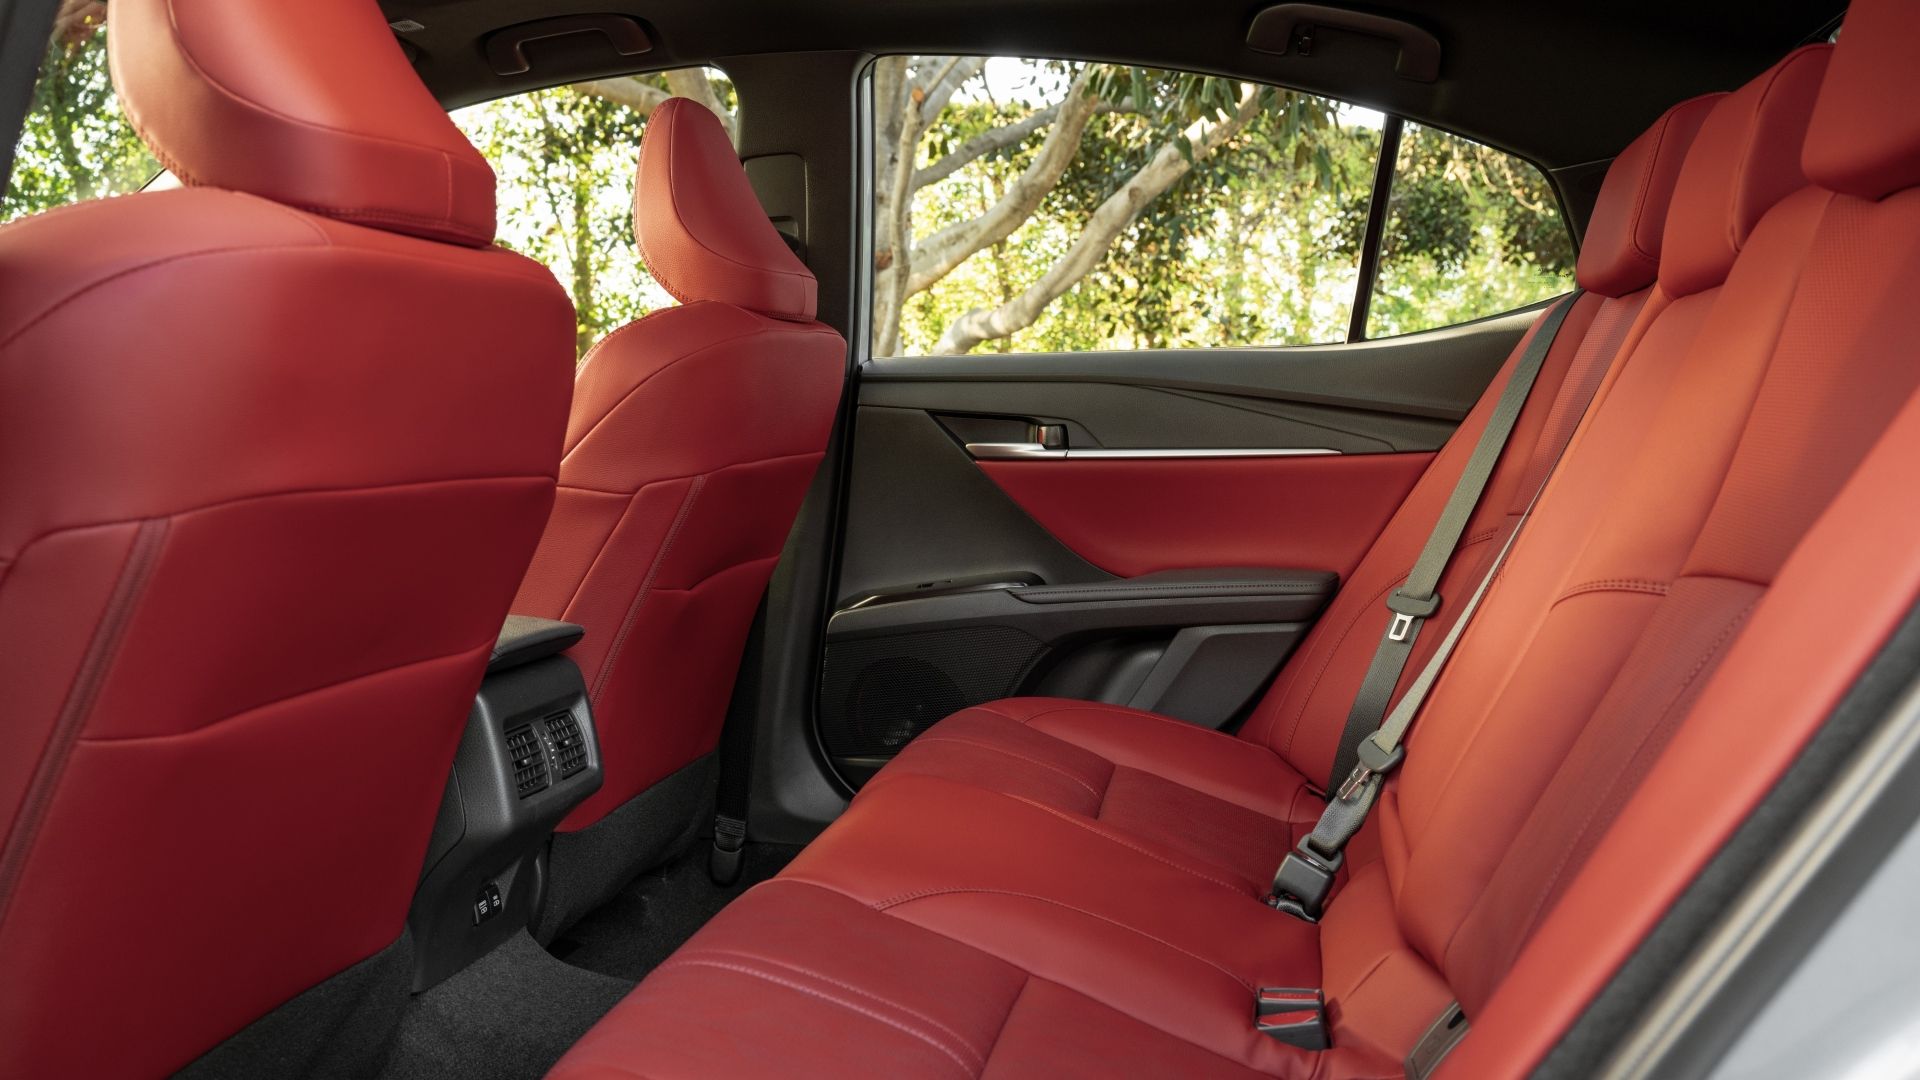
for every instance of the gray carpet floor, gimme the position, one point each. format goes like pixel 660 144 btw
pixel 514 1012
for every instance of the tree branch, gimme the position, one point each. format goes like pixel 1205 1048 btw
pixel 631 92
pixel 996 139
pixel 923 96
pixel 643 97
pixel 936 256
pixel 983 144
pixel 693 83
pixel 1090 248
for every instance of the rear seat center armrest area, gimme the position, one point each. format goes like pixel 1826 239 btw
pixel 530 754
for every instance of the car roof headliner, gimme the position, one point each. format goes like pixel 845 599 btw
pixel 1564 84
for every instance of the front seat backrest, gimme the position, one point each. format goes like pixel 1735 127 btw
pixel 695 433
pixel 275 448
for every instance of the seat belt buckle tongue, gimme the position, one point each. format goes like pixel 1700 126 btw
pixel 1405 610
pixel 1293 1015
pixel 1374 761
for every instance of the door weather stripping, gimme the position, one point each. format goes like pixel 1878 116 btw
pixel 1032 451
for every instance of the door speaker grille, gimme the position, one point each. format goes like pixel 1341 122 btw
pixel 877 693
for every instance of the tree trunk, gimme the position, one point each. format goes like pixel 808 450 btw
pixel 632 93
pixel 693 83
pixel 583 268
pixel 937 256
pixel 890 85
pixel 1113 215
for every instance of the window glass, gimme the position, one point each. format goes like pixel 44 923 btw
pixel 1035 205
pixel 565 161
pixel 76 143
pixel 1470 231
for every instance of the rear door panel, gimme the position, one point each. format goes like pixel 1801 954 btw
pixel 1342 431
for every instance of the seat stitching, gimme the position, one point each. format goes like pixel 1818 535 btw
pixel 123 740
pixel 646 587
pixel 658 480
pixel 932 738
pixel 1012 1007
pixel 1631 585
pixel 1593 807
pixel 742 969
pixel 692 954
pixel 1094 828
pixel 889 903
pixel 95 664
pixel 615 406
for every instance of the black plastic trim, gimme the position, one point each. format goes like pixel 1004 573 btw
pixel 25 26
pixel 1064 611
pixel 526 638
pixel 1377 205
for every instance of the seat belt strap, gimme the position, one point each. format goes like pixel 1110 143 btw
pixel 1416 600
pixel 1305 877
pixel 735 762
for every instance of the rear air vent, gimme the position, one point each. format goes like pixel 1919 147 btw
pixel 569 745
pixel 529 760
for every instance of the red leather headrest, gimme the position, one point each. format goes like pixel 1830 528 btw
pixel 1622 249
pixel 701 229
pixel 1866 130
pixel 308 104
pixel 1745 159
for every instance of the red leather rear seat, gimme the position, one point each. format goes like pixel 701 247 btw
pixel 1240 804
pixel 942 926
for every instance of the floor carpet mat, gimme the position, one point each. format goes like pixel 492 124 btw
pixel 629 935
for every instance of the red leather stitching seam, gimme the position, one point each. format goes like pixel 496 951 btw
pixel 646 586
pixel 148 540
pixel 821 995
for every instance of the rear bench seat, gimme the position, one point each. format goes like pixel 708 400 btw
pixel 1240 804
pixel 1061 889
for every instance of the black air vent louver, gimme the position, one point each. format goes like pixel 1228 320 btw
pixel 529 760
pixel 569 745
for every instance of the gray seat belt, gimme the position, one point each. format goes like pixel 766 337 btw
pixel 1306 875
pixel 1414 601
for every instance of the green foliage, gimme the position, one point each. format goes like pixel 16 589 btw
pixel 1470 232
pixel 565 166
pixel 76 143
pixel 1258 244
pixel 565 163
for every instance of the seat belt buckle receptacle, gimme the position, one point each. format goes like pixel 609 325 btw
pixel 1301 885
pixel 1293 1015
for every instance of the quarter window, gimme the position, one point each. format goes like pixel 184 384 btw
pixel 1470 232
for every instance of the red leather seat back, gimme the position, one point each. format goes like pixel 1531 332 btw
pixel 274 450
pixel 695 432
pixel 1303 714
